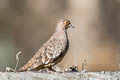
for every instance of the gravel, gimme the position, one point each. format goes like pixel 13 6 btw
pixel 83 75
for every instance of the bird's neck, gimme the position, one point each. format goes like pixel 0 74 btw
pixel 60 28
pixel 61 34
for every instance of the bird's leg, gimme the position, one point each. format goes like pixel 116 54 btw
pixel 51 69
pixel 54 69
pixel 57 69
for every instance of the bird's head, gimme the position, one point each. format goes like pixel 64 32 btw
pixel 64 24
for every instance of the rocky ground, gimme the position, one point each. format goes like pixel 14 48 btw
pixel 83 75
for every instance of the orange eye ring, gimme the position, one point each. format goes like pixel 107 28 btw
pixel 66 22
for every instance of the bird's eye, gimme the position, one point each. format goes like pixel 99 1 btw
pixel 66 22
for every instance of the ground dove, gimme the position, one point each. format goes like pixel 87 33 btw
pixel 52 51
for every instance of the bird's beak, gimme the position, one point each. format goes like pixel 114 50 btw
pixel 70 25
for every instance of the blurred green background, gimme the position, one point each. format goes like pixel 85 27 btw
pixel 26 24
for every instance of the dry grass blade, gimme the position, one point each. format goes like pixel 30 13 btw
pixel 66 64
pixel 17 59
pixel 75 57
pixel 118 60
pixel 84 64
pixel 8 69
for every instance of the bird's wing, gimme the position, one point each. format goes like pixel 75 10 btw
pixel 48 52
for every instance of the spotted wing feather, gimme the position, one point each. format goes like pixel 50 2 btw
pixel 46 55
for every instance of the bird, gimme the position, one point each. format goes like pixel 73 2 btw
pixel 52 51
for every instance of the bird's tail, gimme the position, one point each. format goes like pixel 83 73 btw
pixel 22 69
